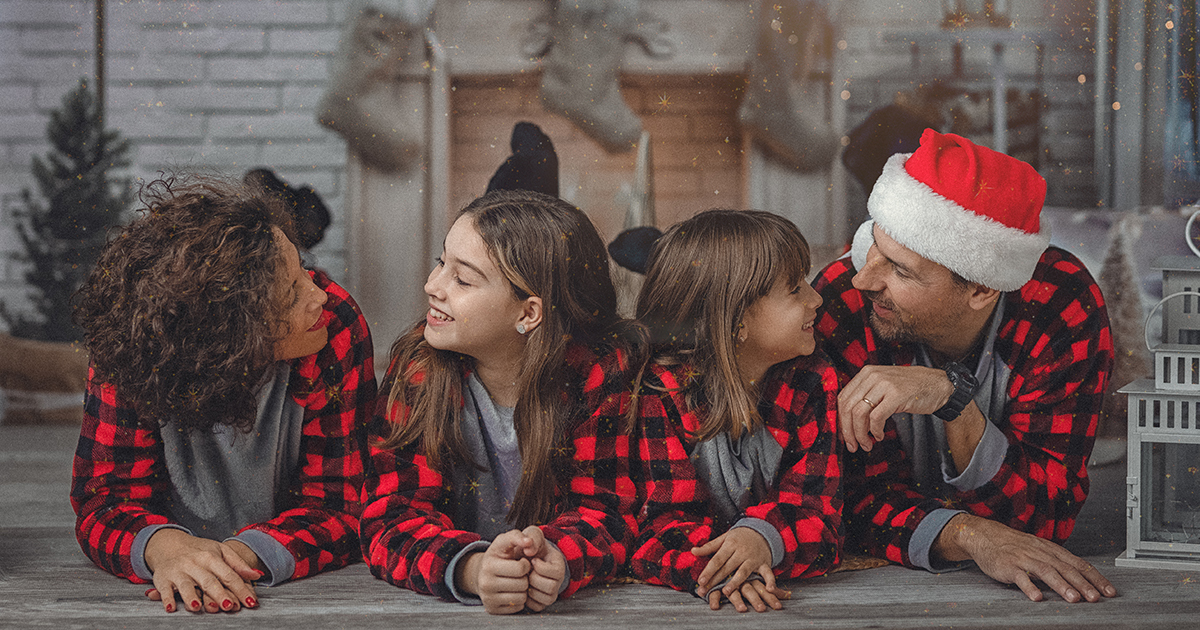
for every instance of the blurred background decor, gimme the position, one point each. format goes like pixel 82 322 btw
pixel 61 228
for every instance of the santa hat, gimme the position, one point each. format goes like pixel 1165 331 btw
pixel 963 206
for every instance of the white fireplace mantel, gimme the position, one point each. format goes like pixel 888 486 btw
pixel 485 37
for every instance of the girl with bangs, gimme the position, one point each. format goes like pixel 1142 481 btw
pixel 739 477
pixel 224 427
pixel 499 469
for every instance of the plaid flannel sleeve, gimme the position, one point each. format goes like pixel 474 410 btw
pixel 408 541
pixel 119 482
pixel 596 528
pixel 673 516
pixel 406 538
pixel 1057 339
pixel 805 503
pixel 882 506
pixel 337 388
pixel 1061 351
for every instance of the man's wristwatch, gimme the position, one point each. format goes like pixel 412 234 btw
pixel 964 390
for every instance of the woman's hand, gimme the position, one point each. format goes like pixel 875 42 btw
pixel 500 575
pixel 206 574
pixel 548 568
pixel 736 554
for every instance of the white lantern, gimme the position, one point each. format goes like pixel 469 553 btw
pixel 1163 501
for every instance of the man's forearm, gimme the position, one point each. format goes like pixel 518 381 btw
pixel 949 545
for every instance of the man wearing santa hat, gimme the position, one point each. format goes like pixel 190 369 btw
pixel 976 359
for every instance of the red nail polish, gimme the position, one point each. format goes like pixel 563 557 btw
pixel 148 591
pixel 251 602
pixel 227 604
pixel 196 604
pixel 170 607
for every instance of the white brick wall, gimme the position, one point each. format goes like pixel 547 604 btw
pixel 230 85
pixel 215 85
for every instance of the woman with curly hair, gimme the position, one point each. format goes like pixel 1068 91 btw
pixel 740 478
pixel 501 473
pixel 224 421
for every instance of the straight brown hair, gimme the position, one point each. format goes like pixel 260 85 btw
pixel 702 276
pixel 546 247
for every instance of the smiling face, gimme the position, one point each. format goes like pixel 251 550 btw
pixel 777 327
pixel 912 299
pixel 305 319
pixel 472 307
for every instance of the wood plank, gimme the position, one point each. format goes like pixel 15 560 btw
pixel 47 582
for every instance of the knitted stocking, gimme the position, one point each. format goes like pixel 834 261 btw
pixel 791 33
pixel 362 102
pixel 580 71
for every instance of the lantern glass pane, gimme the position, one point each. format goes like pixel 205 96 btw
pixel 1171 492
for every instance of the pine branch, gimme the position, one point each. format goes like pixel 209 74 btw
pixel 62 237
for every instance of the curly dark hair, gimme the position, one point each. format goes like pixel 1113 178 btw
pixel 180 312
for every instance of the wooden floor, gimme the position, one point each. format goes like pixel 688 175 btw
pixel 45 581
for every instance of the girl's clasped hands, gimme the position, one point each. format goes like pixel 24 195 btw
pixel 520 569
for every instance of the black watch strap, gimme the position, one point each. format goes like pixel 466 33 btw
pixel 964 390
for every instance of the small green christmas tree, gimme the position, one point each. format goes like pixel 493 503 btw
pixel 63 236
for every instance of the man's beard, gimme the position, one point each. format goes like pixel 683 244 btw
pixel 898 329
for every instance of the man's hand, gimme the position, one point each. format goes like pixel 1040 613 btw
pixel 878 391
pixel 548 568
pixel 736 554
pixel 208 575
pixel 499 575
pixel 1014 557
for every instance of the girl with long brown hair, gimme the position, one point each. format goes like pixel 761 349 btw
pixel 498 475
pixel 224 427
pixel 740 475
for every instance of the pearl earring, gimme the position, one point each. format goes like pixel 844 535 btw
pixel 521 328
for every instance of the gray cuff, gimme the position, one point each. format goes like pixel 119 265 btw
pixel 767 531
pixel 466 598
pixel 924 536
pixel 985 462
pixel 567 573
pixel 137 555
pixel 275 557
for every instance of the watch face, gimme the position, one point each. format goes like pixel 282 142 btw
pixel 958 373
pixel 964 389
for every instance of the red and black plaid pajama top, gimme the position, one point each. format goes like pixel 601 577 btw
pixel 409 539
pixel 120 482
pixel 804 503
pixel 1054 338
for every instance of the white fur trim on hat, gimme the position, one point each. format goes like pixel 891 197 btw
pixel 864 238
pixel 975 247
